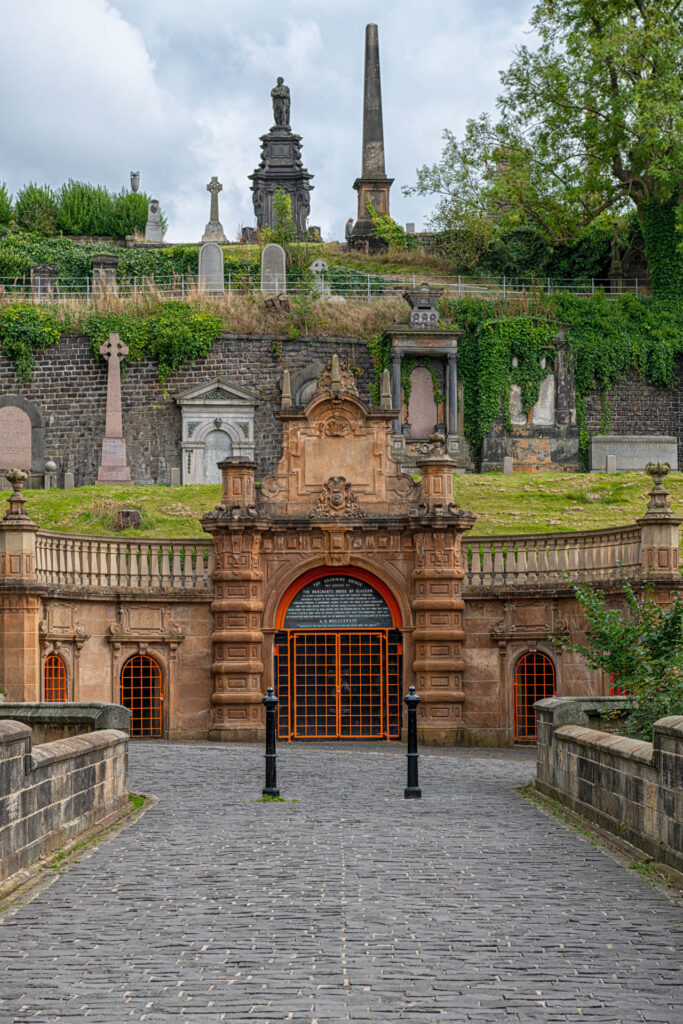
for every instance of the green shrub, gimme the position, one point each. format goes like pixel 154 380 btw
pixel 83 209
pixel 36 209
pixel 25 330
pixel 5 204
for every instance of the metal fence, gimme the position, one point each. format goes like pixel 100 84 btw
pixel 361 287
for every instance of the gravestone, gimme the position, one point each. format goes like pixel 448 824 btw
pixel 44 280
pixel 217 447
pixel 410 228
pixel 507 465
pixel 422 411
pixel 15 431
pixel 104 269
pixel 153 229
pixel 113 467
pixel 632 451
pixel 319 268
pixel 248 236
pixel 211 277
pixel 69 481
pixel 213 232
pixel 175 477
pixel 611 466
pixel 273 279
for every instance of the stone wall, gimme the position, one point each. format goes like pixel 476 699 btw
pixel 632 788
pixel 70 390
pixel 636 407
pixel 54 792
pixel 62 719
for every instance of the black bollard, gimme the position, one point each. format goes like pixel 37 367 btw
pixel 270 704
pixel 412 790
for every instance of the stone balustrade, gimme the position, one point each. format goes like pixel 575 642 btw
pixel 123 563
pixel 546 558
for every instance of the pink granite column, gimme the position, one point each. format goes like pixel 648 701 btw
pixel 113 464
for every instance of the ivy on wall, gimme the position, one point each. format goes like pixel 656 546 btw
pixel 25 330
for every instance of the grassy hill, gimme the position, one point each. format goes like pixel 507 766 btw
pixel 523 503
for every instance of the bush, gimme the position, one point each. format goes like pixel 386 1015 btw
pixel 5 204
pixel 84 209
pixel 642 650
pixel 36 209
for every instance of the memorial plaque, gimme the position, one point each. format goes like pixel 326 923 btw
pixel 338 602
pixel 15 430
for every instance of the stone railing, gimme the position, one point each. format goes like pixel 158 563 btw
pixel 123 563
pixel 547 557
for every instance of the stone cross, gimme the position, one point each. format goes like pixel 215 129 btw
pixel 214 187
pixel 113 463
pixel 213 232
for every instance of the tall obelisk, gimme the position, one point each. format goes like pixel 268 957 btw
pixel 373 185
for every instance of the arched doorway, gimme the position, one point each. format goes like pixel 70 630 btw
pixel 54 683
pixel 141 693
pixel 534 680
pixel 338 658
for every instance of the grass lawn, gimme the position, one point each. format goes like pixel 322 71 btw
pixel 522 503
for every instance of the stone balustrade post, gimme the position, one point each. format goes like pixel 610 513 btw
pixel 659 529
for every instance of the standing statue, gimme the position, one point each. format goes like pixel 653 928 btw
pixel 280 97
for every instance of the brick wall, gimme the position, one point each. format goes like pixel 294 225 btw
pixel 70 390
pixel 51 793
pixel 632 788
pixel 639 408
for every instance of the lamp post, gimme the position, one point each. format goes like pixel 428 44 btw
pixel 412 790
pixel 270 703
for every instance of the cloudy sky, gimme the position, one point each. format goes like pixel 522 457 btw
pixel 180 90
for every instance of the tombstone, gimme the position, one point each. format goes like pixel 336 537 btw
pixel 314 233
pixel 319 268
pixel 44 280
pixel 423 302
pixel 611 466
pixel 211 276
pixel 213 232
pixel 134 181
pixel 632 451
pixel 153 230
pixel 104 273
pixel 273 279
pixel 248 236
pixel 507 465
pixel 16 432
pixel 217 446
pixel 410 228
pixel 422 411
pixel 69 481
pixel 113 467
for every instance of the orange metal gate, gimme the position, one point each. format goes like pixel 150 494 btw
pixel 141 693
pixel 338 684
pixel 534 680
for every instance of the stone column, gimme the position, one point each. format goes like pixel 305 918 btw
pixel 113 463
pixel 452 426
pixel 396 391
pixel 20 599
pixel 659 530
pixel 237 609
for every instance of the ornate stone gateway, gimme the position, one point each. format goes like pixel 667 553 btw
pixel 339 584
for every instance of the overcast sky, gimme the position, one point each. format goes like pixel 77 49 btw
pixel 180 90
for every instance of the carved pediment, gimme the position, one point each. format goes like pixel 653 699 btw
pixel 217 390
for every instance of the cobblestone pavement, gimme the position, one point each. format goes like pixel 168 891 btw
pixel 350 904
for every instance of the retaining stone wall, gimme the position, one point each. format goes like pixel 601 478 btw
pixel 632 788
pixel 52 793
pixel 70 390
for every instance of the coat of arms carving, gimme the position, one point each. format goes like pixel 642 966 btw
pixel 337 501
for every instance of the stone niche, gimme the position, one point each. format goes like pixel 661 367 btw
pixel 546 438
pixel 217 423
pixel 23 438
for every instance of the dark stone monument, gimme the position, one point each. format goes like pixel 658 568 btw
pixel 373 185
pixel 281 167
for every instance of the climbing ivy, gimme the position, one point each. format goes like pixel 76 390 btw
pixel 25 330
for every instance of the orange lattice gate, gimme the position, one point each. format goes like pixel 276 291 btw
pixel 141 694
pixel 534 680
pixel 338 684
pixel 55 679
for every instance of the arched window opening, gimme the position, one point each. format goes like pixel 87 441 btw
pixel 141 694
pixel 534 680
pixel 55 679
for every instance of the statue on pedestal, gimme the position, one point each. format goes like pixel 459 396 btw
pixel 281 101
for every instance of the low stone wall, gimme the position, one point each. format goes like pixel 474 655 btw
pixel 631 788
pixel 59 720
pixel 52 793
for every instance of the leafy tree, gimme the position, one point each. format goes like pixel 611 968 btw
pixel 36 209
pixel 5 204
pixel 642 650
pixel 591 121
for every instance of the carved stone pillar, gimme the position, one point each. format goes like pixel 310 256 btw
pixel 452 425
pixel 396 391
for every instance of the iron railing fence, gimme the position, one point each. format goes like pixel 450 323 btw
pixel 362 287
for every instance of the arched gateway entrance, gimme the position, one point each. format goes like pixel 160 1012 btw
pixel 338 658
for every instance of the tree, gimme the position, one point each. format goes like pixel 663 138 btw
pixel 590 121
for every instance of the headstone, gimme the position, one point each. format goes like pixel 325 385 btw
pixel 422 412
pixel 134 181
pixel 16 434
pixel 423 302
pixel 69 481
pixel 314 233
pixel 632 451
pixel 104 272
pixel 410 228
pixel 211 278
pixel 153 229
pixel 213 232
pixel 507 465
pixel 319 268
pixel 113 467
pixel 175 477
pixel 248 236
pixel 273 279
pixel 44 280
pixel 611 466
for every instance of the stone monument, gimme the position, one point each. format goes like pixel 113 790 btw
pixel 273 277
pixel 154 231
pixel 134 181
pixel 373 185
pixel 211 276
pixel 113 463
pixel 281 167
pixel 213 232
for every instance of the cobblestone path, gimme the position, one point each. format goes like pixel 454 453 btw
pixel 350 904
